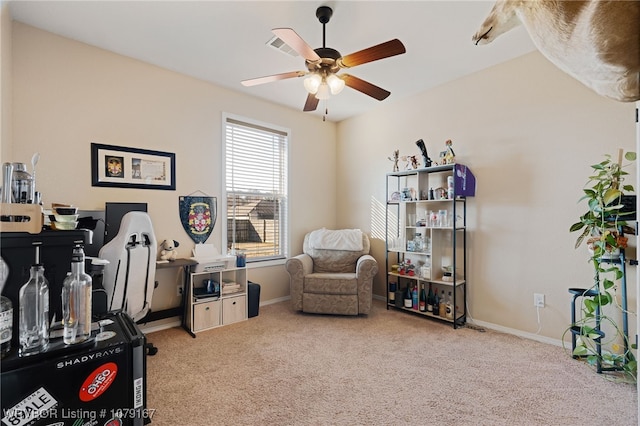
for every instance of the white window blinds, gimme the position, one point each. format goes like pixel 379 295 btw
pixel 256 189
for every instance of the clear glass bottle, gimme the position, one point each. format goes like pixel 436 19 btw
pixel 34 313
pixel 76 301
pixel 418 242
pixel 6 313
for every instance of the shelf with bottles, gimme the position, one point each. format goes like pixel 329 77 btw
pixel 427 299
pixel 424 215
pixel 440 281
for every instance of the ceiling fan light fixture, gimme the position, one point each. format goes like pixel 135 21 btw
pixel 336 84
pixel 312 83
pixel 323 91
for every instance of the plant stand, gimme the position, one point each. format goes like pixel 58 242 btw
pixel 577 330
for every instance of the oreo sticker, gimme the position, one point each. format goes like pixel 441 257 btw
pixel 98 382
pixel 105 335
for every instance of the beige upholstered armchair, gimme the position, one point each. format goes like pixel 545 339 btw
pixel 334 275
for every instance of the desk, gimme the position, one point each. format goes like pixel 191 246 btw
pixel 186 264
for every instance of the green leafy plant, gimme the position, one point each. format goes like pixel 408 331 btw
pixel 602 228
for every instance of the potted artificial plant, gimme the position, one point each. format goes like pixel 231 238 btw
pixel 602 229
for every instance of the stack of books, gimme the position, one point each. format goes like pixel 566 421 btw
pixel 230 287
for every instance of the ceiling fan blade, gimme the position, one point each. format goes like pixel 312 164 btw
pixel 312 103
pixel 365 87
pixel 270 78
pixel 296 43
pixel 383 50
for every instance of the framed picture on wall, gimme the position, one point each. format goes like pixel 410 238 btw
pixel 125 167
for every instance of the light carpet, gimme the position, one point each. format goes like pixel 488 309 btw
pixel 388 368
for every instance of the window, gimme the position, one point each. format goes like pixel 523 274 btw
pixel 255 185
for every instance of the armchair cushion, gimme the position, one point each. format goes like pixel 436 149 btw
pixel 335 260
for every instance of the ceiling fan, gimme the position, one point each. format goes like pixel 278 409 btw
pixel 324 63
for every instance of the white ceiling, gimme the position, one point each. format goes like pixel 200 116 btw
pixel 224 41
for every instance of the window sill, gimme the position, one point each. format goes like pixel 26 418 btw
pixel 265 263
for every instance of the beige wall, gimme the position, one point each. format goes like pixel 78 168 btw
pixel 529 133
pixel 68 94
pixel 5 82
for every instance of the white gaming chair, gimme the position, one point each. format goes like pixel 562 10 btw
pixel 129 277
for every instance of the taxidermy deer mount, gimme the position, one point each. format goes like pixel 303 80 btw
pixel 596 42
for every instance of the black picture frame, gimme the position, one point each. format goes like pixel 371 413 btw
pixel 125 167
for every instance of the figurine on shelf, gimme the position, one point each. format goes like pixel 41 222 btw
pixel 414 162
pixel 425 156
pixel 449 155
pixel 410 162
pixel 396 156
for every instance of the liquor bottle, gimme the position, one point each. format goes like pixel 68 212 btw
pixel 414 297
pixel 408 298
pixel 6 313
pixel 34 311
pixel 392 293
pixel 449 311
pixel 430 300
pixel 76 301
pixel 443 305
pixel 423 300
pixel 436 304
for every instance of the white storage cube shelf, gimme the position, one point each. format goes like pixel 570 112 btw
pixel 206 311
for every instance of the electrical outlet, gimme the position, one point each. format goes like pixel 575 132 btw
pixel 538 300
pixel 179 291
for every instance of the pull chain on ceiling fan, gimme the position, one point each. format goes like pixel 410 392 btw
pixel 324 63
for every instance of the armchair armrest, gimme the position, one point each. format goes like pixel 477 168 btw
pixel 297 267
pixel 366 270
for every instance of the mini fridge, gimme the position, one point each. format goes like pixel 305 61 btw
pixel 99 382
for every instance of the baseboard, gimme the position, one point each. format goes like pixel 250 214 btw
pixel 277 300
pixel 507 330
pixel 163 324
pixel 515 332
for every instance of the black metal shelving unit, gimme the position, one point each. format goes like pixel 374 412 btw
pixel 411 195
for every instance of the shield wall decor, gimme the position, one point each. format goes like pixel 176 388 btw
pixel 198 216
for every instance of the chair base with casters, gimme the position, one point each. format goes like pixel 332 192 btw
pixel 129 277
pixel 334 274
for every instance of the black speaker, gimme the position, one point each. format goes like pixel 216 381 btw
pixel 254 299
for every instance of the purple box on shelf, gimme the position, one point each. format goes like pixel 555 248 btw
pixel 465 181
